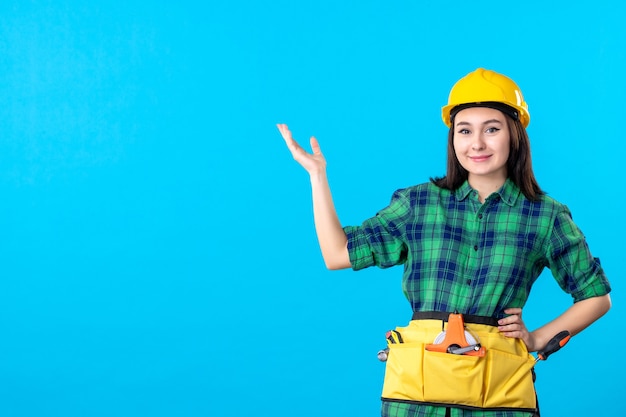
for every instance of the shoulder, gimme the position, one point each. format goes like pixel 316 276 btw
pixel 421 193
pixel 545 211
pixel 407 203
pixel 420 196
pixel 549 204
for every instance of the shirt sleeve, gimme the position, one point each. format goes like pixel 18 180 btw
pixel 570 260
pixel 379 241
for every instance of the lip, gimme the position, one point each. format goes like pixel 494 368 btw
pixel 479 158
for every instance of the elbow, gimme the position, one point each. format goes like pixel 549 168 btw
pixel 599 305
pixel 606 303
pixel 338 258
pixel 338 261
pixel 335 265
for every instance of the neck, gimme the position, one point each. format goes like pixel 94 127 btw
pixel 485 186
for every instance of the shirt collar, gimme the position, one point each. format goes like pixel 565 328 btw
pixel 508 193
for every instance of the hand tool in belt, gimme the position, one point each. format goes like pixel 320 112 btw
pixel 455 340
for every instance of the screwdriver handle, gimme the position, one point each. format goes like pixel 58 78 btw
pixel 556 343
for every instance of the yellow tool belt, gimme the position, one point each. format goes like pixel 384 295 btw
pixel 499 380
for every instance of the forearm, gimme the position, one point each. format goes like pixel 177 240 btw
pixel 332 239
pixel 575 319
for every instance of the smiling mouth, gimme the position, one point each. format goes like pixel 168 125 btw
pixel 480 158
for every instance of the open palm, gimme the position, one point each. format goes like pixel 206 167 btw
pixel 312 162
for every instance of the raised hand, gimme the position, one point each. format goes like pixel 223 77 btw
pixel 332 238
pixel 314 163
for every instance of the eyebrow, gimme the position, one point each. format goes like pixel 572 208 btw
pixel 486 122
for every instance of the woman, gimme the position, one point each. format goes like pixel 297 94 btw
pixel 472 244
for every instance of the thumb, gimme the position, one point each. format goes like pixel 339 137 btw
pixel 315 146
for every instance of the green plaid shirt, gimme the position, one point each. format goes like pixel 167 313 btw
pixel 474 258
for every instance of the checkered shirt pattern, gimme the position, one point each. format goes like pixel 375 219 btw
pixel 474 258
pixel 410 410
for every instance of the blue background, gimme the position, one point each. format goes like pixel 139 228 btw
pixel 157 249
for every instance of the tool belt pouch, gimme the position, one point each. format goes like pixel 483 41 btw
pixel 501 379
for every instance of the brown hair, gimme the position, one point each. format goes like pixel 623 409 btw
pixel 519 164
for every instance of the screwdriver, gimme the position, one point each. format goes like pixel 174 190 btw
pixel 556 343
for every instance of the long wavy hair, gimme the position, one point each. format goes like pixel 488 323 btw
pixel 519 164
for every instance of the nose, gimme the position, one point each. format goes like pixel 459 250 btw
pixel 478 143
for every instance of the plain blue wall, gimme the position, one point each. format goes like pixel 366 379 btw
pixel 157 251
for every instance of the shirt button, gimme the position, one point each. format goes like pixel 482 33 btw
pixel 480 216
pixel 469 282
pixel 475 247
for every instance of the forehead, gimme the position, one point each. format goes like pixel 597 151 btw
pixel 479 115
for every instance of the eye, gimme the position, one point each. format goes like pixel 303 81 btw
pixel 464 131
pixel 492 130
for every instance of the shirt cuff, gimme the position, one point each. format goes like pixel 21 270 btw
pixel 358 248
pixel 597 285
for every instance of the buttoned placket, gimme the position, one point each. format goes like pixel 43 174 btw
pixel 478 230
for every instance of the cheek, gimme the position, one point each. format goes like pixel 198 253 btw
pixel 501 146
pixel 505 150
pixel 458 147
pixel 457 153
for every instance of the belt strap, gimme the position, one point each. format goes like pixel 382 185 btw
pixel 443 316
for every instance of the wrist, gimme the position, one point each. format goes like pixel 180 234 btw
pixel 318 176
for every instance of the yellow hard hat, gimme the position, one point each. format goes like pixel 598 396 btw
pixel 486 88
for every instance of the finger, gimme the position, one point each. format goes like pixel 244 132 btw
pixel 284 131
pixel 315 146
pixel 512 319
pixel 514 310
pixel 511 327
pixel 289 140
pixel 515 315
pixel 515 334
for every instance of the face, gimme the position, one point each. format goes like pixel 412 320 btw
pixel 482 143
